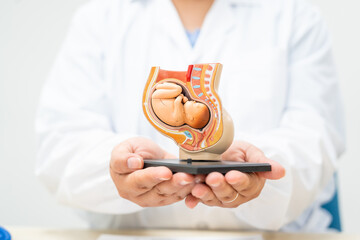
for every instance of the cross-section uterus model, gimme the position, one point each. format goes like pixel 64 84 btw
pixel 186 107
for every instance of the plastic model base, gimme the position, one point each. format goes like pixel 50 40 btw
pixel 205 167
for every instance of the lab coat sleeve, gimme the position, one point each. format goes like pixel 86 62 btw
pixel 73 121
pixel 310 135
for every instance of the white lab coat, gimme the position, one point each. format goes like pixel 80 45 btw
pixel 278 83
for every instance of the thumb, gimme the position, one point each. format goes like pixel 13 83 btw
pixel 124 160
pixel 255 155
pixel 277 170
pixel 169 156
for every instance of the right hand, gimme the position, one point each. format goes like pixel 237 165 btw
pixel 150 187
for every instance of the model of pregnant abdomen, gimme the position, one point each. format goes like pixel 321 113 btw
pixel 185 106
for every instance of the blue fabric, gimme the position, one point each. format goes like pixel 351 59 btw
pixel 193 36
pixel 333 208
pixel 4 235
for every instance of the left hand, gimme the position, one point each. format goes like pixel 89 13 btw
pixel 235 188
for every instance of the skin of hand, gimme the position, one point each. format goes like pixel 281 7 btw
pixel 149 187
pixel 235 188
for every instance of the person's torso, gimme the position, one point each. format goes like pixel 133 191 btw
pixel 245 38
pixel 250 39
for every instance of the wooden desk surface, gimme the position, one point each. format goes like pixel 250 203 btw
pixel 24 233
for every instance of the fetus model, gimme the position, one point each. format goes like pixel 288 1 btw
pixel 175 109
pixel 185 106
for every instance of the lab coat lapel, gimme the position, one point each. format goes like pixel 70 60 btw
pixel 168 19
pixel 219 22
pixel 125 82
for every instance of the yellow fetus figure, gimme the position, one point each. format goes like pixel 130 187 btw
pixel 175 109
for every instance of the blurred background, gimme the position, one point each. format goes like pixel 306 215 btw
pixel 31 32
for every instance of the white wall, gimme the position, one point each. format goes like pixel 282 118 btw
pixel 30 35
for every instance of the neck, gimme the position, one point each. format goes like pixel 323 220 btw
pixel 192 12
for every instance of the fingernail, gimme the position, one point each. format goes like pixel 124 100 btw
pixel 201 196
pixel 134 163
pixel 198 180
pixel 233 182
pixel 183 183
pixel 215 184
pixel 164 179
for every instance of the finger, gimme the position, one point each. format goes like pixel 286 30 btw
pixel 255 155
pixel 142 181
pixel 169 156
pixel 128 156
pixel 168 192
pixel 223 191
pixel 154 199
pixel 180 184
pixel 205 194
pixel 147 149
pixel 233 153
pixel 191 201
pixel 277 171
pixel 247 185
pixel 124 160
pixel 200 178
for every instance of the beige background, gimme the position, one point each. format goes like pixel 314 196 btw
pixel 31 32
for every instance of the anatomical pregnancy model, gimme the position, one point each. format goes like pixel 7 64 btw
pixel 175 109
pixel 185 106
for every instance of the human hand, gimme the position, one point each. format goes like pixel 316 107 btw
pixel 150 187
pixel 235 188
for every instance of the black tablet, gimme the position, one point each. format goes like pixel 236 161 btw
pixel 206 166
